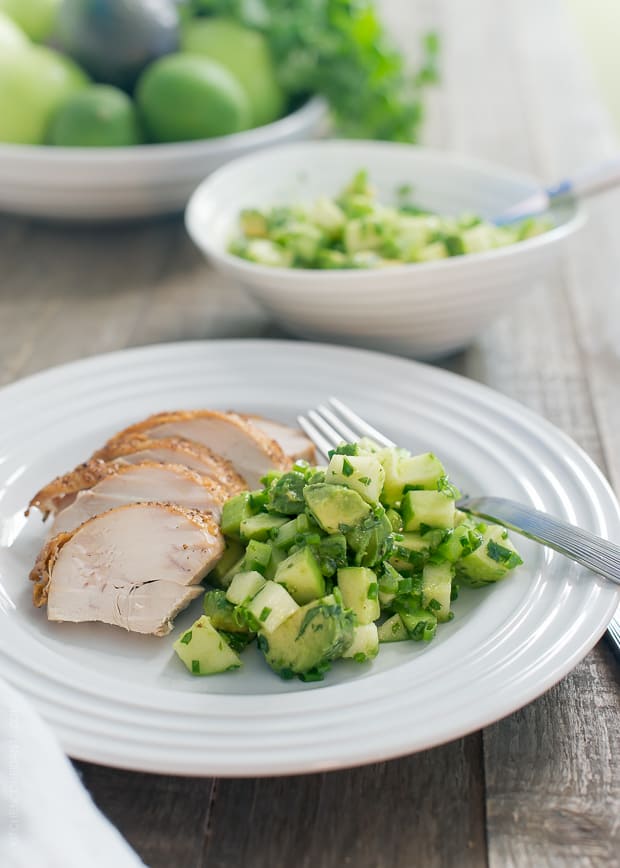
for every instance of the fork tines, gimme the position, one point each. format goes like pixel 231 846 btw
pixel 327 427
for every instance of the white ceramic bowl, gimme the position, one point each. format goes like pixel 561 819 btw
pixel 425 309
pixel 141 181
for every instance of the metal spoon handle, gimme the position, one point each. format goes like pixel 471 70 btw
pixel 599 555
pixel 585 182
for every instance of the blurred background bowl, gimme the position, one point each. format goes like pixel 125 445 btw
pixel 138 181
pixel 423 309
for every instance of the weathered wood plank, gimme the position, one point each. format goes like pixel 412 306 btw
pixel 420 810
pixel 165 818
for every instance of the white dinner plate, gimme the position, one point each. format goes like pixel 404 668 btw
pixel 125 700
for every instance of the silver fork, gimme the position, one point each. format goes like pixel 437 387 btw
pixel 334 423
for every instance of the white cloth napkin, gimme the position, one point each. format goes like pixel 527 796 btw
pixel 47 818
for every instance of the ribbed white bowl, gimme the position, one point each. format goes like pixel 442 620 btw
pixel 424 309
pixel 141 181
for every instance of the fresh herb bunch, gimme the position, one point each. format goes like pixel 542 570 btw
pixel 340 49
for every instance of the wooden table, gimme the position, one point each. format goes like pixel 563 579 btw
pixel 542 787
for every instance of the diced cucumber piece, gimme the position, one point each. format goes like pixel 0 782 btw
pixel 309 639
pixel 393 630
pixel 244 586
pixel 336 508
pixel 204 651
pixel 294 531
pixel 257 556
pixel 386 598
pixel 221 612
pixel 362 473
pixel 431 508
pixel 420 624
pixel 286 534
pixel 423 470
pixel 301 575
pixel 234 512
pixel 411 550
pixel 360 592
pixel 365 644
pixel 270 607
pixel 437 588
pixel 260 527
pixel 489 563
pixel 233 554
pixel 459 542
pixel 277 556
pixel 401 469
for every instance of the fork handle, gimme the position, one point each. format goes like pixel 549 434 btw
pixel 589 550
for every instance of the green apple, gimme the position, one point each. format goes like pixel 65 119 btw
pixel 245 53
pixel 33 82
pixel 10 34
pixel 35 17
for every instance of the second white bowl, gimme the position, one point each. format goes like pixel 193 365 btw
pixel 422 309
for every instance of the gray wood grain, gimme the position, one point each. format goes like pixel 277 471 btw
pixel 540 787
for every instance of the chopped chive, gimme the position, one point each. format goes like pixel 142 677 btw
pixel 347 468
pixel 186 638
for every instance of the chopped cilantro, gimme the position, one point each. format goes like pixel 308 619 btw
pixel 347 468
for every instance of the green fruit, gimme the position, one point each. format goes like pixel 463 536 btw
pixel 35 17
pixel 182 97
pixel 246 55
pixel 33 82
pixel 114 40
pixel 10 34
pixel 98 116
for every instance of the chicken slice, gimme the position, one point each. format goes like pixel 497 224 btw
pixel 135 566
pixel 292 441
pixel 129 486
pixel 251 452
pixel 173 450
pixel 141 483
pixel 62 491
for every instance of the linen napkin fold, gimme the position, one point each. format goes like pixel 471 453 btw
pixel 47 819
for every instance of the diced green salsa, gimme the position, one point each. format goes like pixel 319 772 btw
pixel 354 230
pixel 323 564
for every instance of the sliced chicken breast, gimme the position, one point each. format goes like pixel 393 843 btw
pixel 141 483
pixel 173 450
pixel 60 492
pixel 150 482
pixel 135 566
pixel 251 452
pixel 292 441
